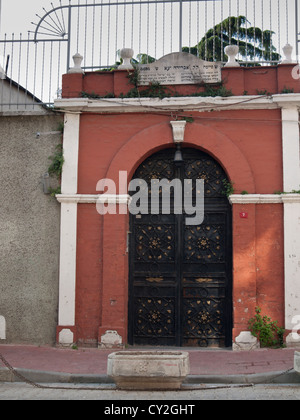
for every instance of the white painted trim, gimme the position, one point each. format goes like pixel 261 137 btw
pixel 67 269
pixel 264 198
pixel 2 328
pixel 256 199
pixel 94 198
pixel 70 150
pixel 291 198
pixel 287 99
pixel 292 261
pixel 291 181
pixel 186 103
pixel 68 230
pixel 66 337
pixel 290 148
pixel 125 198
pixel 245 341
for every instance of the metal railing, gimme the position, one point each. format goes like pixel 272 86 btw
pixel 98 29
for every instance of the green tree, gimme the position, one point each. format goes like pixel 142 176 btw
pixel 143 59
pixel 253 42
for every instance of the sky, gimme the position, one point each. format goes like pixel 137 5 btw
pixel 17 15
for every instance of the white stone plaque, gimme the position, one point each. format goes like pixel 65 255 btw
pixel 180 69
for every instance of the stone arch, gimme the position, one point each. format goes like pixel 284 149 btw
pixel 208 139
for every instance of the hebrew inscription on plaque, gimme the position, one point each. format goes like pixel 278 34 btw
pixel 180 69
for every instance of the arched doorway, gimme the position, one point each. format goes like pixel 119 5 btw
pixel 180 274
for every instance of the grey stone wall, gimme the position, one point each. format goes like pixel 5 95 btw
pixel 29 230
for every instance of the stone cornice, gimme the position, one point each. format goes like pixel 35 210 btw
pixel 125 198
pixel 288 100
pixel 200 104
pixel 264 198
pixel 290 198
pixel 93 198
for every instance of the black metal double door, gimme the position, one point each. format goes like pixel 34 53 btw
pixel 180 273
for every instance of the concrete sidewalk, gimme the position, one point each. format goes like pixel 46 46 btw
pixel 51 364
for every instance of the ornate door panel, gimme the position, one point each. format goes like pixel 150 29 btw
pixel 206 282
pixel 180 274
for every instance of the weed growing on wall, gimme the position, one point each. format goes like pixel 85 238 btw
pixel 265 330
pixel 228 187
pixel 55 168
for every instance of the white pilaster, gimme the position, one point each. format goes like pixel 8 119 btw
pixel 2 328
pixel 70 147
pixel 291 181
pixel 290 148
pixel 67 269
pixel 68 235
pixel 292 260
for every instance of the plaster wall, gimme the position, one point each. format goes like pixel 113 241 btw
pixel 29 230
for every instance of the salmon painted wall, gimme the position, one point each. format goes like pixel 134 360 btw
pixel 102 269
pixel 256 133
pixel 247 143
pixel 258 263
pixel 240 80
pixel 258 244
pixel 89 282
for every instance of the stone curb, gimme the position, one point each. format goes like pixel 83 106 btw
pixel 36 376
pixel 51 377
pixel 281 377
